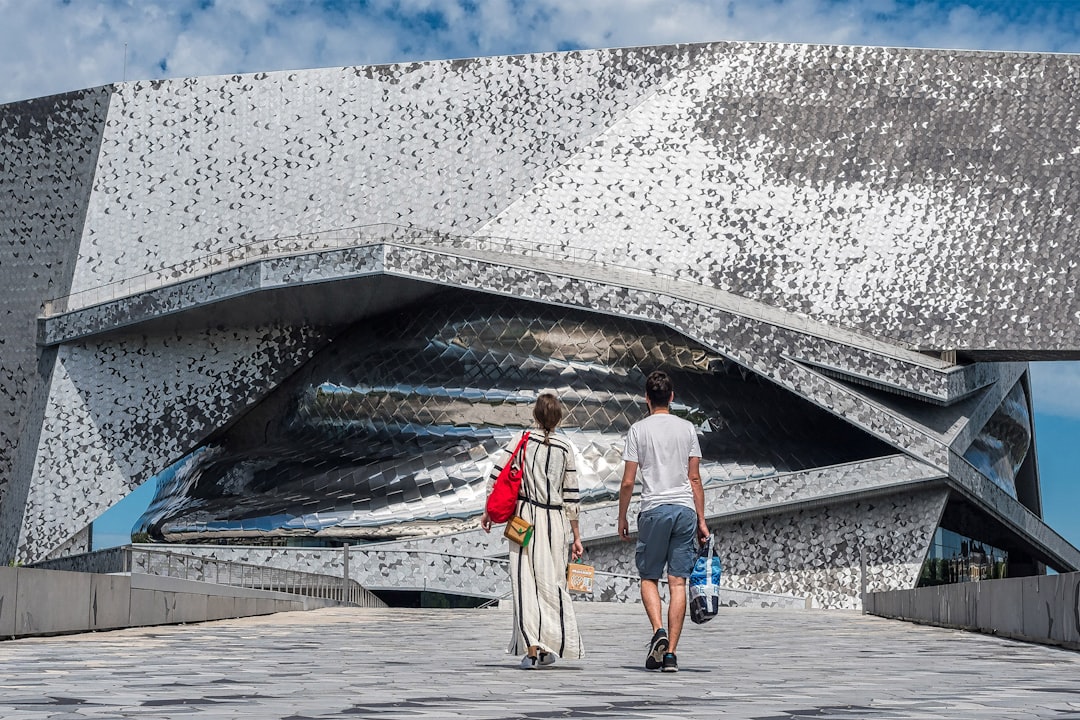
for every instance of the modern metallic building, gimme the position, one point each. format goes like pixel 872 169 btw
pixel 313 304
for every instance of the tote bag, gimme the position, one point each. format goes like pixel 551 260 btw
pixel 504 496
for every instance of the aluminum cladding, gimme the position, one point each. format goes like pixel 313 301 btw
pixel 922 195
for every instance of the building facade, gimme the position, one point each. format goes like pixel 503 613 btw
pixel 314 304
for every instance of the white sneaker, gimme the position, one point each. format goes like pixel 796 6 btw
pixel 528 663
pixel 546 658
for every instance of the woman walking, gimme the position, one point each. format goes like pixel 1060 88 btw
pixel 545 628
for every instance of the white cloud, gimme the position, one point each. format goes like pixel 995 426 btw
pixel 49 46
pixel 1055 388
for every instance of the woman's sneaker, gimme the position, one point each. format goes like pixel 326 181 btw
pixel 671 663
pixel 657 647
pixel 528 663
pixel 546 658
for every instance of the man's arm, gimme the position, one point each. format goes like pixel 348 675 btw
pixel 694 471
pixel 626 491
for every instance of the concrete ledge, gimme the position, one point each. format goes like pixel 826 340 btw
pixel 110 601
pixel 49 603
pixel 9 585
pixel 1042 609
pixel 53 602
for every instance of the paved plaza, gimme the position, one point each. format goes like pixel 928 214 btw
pixel 397 663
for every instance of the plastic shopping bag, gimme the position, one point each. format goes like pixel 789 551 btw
pixel 705 584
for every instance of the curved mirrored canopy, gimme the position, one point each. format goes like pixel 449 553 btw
pixel 391 430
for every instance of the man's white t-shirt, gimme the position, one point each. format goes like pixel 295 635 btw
pixel 662 445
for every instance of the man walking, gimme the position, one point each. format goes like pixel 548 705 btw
pixel 664 449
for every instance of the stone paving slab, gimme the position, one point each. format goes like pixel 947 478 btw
pixel 765 664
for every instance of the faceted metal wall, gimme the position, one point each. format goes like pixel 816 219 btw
pixel 48 153
pixel 919 195
pixel 818 552
pixel 117 407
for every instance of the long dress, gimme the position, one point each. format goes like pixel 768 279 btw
pixel 543 609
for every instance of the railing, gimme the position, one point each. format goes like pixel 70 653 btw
pixel 150 561
pixel 360 236
pixel 101 562
pixel 169 563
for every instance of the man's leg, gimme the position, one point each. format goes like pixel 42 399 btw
pixel 650 598
pixel 651 557
pixel 676 609
pixel 658 644
pixel 681 558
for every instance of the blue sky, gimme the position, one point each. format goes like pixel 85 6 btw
pixel 50 46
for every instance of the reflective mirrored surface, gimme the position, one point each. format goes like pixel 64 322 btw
pixel 1001 446
pixel 392 429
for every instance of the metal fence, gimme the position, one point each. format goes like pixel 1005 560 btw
pixel 151 561
pixel 168 563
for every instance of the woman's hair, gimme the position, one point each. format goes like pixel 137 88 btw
pixel 547 412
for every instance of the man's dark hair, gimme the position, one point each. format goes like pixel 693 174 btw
pixel 658 388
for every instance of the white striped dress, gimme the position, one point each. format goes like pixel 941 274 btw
pixel 543 611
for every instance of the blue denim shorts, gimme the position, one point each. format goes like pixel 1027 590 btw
pixel 666 537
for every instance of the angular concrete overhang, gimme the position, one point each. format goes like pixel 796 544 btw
pixel 414 253
pixel 760 337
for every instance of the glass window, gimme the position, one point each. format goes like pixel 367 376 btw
pixel 956 558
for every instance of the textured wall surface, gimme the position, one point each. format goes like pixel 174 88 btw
pixel 816 551
pixel 921 195
pixel 48 152
pixel 133 406
pixel 814 215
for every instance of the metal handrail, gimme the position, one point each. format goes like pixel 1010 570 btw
pixel 168 563
pixel 360 236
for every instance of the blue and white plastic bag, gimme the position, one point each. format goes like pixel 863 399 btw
pixel 705 584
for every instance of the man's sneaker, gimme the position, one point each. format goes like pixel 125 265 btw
pixel 528 663
pixel 546 658
pixel 671 663
pixel 657 647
